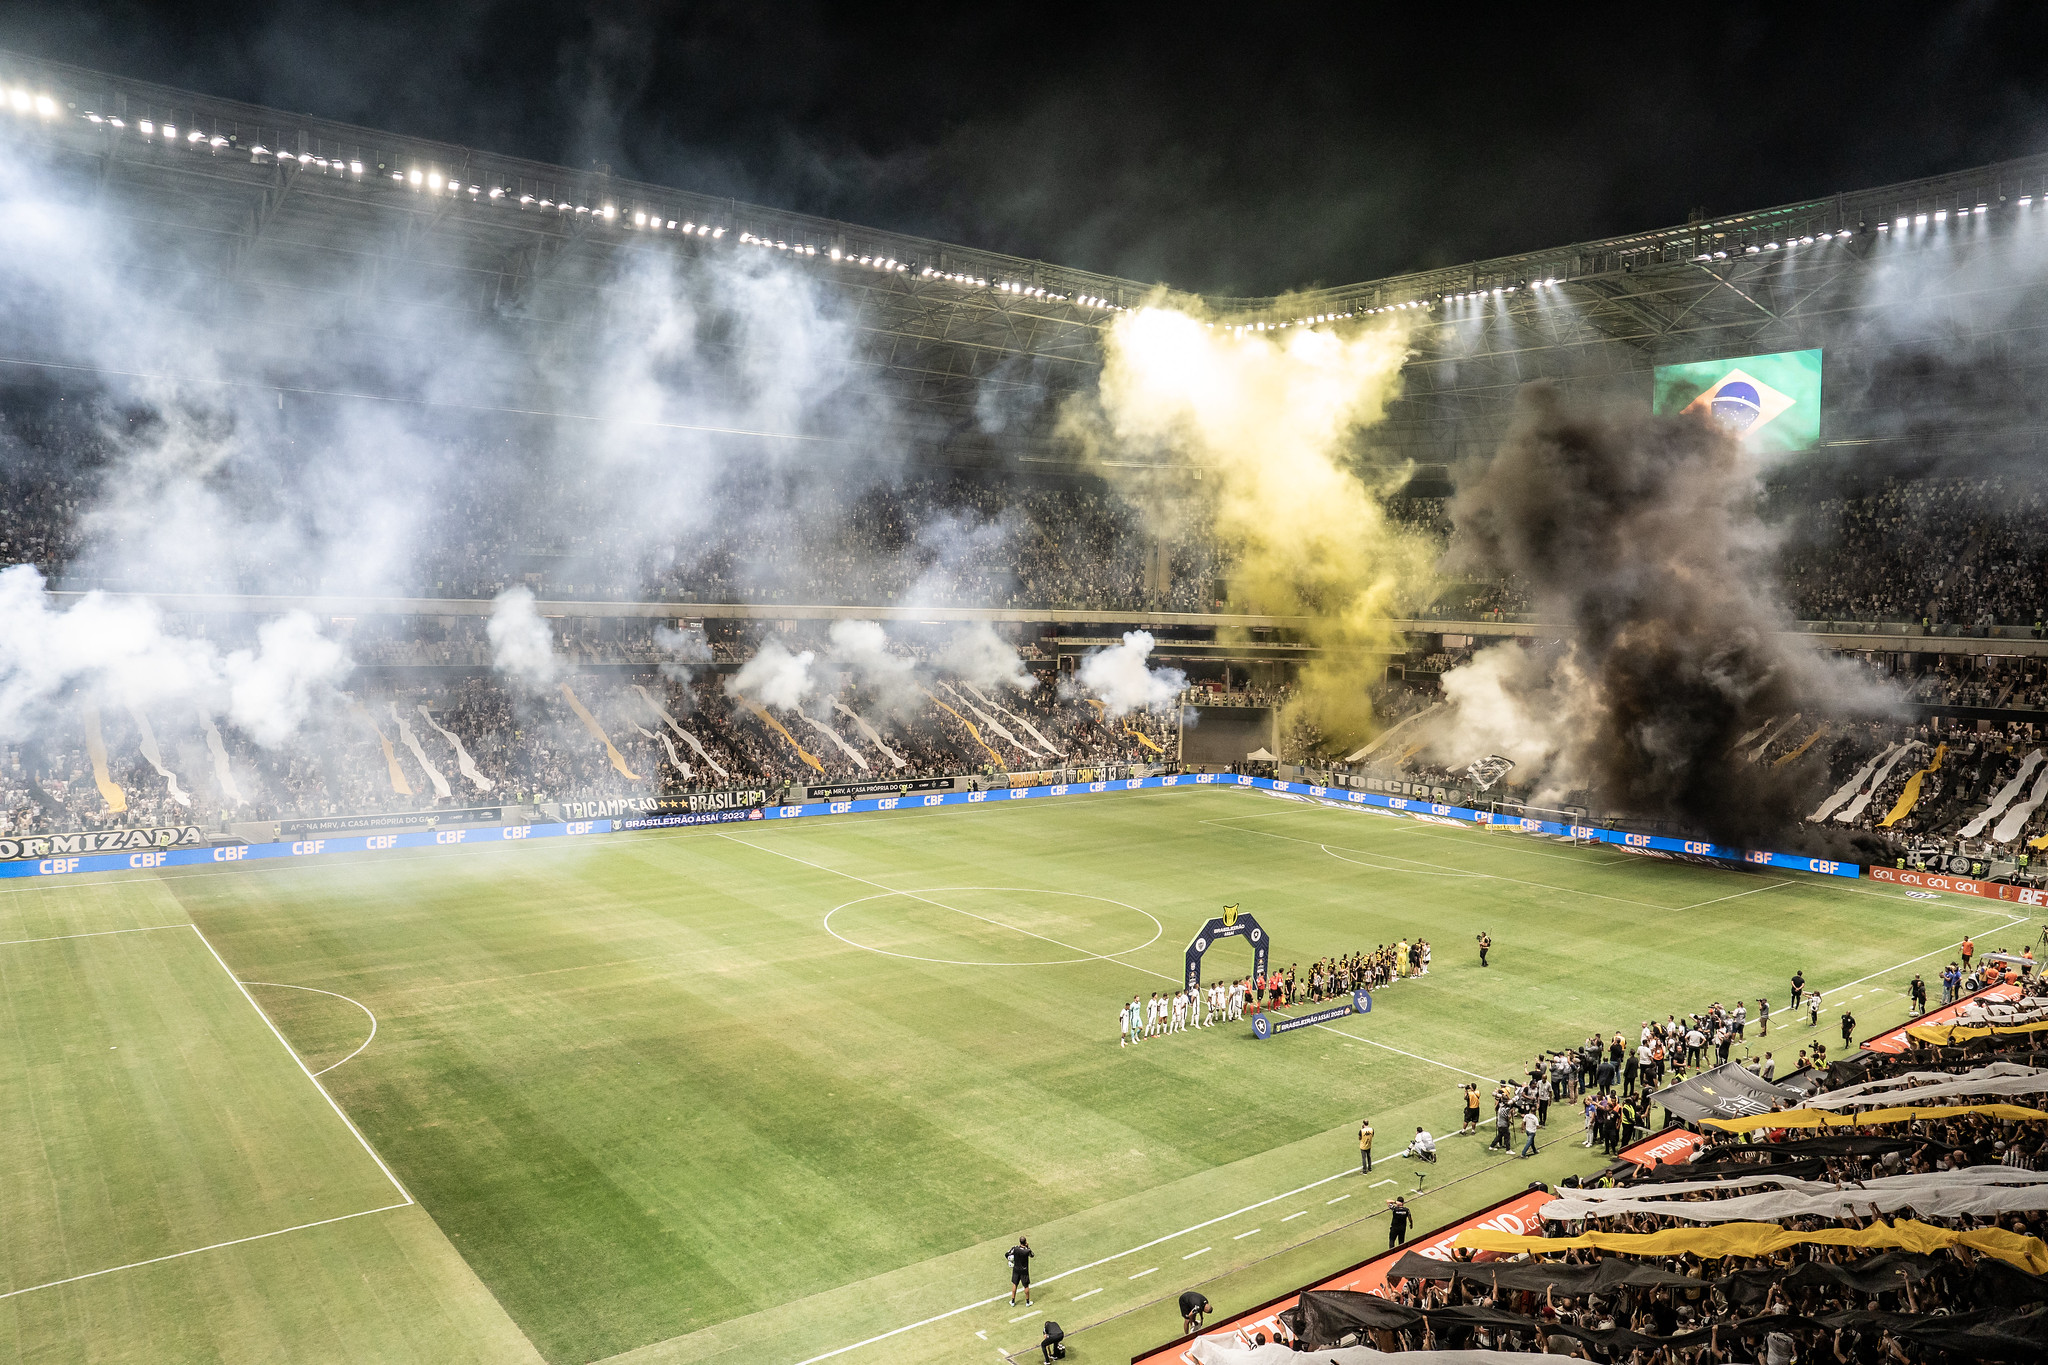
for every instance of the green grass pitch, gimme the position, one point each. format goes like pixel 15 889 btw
pixel 760 1092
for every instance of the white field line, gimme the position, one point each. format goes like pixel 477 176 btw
pixel 1032 1313
pixel 1143 1273
pixel 1735 896
pixel 300 1063
pixel 1338 1200
pixel 1117 1256
pixel 1242 1235
pixel 59 938
pixel 154 1260
pixel 1302 1213
pixel 286 985
pixel 1086 956
pixel 1089 1295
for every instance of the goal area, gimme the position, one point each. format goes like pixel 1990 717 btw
pixel 1564 822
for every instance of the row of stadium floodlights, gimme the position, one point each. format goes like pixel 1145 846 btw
pixel 24 102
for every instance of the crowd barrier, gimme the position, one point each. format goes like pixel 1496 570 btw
pixel 1649 844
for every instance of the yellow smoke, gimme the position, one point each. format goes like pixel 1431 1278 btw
pixel 1263 424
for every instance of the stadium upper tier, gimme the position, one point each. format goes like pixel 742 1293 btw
pixel 377 227
pixel 1948 559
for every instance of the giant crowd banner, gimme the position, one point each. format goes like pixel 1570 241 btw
pixel 1724 1092
pixel 1771 401
pixel 1897 1040
pixel 1517 1214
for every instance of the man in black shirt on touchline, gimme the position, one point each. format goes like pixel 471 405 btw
pixel 1398 1219
pixel 1019 1257
pixel 1192 1306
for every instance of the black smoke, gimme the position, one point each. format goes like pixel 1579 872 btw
pixel 1641 534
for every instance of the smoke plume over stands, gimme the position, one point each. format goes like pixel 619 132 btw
pixel 1124 682
pixel 1641 533
pixel 1266 421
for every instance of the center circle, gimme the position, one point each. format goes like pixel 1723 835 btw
pixel 1067 917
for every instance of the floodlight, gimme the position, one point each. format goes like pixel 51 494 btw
pixel 20 100
pixel 356 168
pixel 46 106
pixel 415 177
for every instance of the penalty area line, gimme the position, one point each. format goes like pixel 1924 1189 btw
pixel 300 1062
pixel 177 1255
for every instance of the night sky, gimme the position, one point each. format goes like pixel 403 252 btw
pixel 1240 151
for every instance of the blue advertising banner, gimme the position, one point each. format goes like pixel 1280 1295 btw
pixel 1323 1016
pixel 1332 796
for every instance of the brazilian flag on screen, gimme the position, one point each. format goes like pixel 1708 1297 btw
pixel 1773 400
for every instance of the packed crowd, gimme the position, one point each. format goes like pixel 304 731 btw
pixel 1965 553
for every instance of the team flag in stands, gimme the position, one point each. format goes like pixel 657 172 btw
pixel 155 756
pixel 222 773
pixel 1772 400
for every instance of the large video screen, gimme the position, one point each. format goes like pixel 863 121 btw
pixel 1773 400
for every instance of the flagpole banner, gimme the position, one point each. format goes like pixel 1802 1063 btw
pixel 221 772
pixel 597 733
pixel 399 784
pixel 463 762
pixel 96 750
pixel 683 734
pixel 412 742
pixel 869 733
pixel 1772 402
pixel 155 756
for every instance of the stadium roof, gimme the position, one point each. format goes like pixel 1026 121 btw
pixel 282 202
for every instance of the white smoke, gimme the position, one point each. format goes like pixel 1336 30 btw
pixel 978 655
pixel 1493 704
pixel 775 677
pixel 522 644
pixel 117 652
pixel 273 689
pixel 1124 682
pixel 684 649
pixel 863 647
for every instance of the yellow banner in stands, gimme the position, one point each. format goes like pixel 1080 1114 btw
pixel 1761 1239
pixel 1783 759
pixel 398 782
pixel 1942 1035
pixel 1145 740
pixel 778 728
pixel 597 733
pixel 1821 1118
pixel 1909 796
pixel 96 749
pixel 970 730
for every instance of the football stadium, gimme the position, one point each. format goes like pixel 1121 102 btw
pixel 597 772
